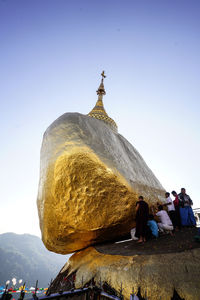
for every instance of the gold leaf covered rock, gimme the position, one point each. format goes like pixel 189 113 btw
pixel 90 179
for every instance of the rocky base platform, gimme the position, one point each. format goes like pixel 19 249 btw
pixel 157 268
pixel 182 240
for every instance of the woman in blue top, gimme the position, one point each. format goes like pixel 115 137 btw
pixel 152 226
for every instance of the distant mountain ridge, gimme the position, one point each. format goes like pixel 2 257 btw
pixel 24 256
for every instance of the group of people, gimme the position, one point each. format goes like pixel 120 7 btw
pixel 180 214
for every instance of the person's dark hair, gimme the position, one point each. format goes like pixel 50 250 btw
pixel 182 189
pixel 160 207
pixel 174 192
pixel 141 197
pixel 167 194
pixel 151 217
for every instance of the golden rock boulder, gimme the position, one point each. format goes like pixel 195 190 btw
pixel 90 179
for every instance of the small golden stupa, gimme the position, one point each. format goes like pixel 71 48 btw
pixel 98 112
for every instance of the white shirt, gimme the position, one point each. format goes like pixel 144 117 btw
pixel 164 218
pixel 171 206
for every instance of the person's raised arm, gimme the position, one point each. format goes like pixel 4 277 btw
pixel 137 207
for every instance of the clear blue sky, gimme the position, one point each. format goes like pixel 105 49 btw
pixel 52 54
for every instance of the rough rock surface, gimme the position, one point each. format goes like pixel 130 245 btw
pixel 156 275
pixel 156 267
pixel 90 179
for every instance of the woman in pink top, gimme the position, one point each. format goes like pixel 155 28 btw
pixel 165 224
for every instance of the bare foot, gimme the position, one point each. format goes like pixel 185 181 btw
pixel 139 241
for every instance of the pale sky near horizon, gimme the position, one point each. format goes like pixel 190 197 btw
pixel 52 55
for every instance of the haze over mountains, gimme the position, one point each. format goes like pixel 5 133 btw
pixel 24 256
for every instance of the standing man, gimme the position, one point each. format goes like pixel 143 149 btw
pixel 171 209
pixel 142 214
pixel 186 212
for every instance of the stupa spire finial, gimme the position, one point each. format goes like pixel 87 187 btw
pixel 101 90
pixel 98 112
